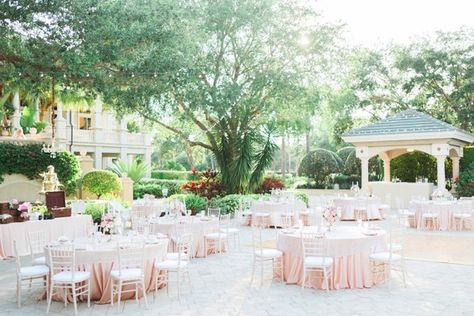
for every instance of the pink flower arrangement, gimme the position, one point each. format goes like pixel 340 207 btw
pixel 24 207
pixel 107 222
pixel 330 215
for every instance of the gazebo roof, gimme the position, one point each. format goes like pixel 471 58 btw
pixel 408 123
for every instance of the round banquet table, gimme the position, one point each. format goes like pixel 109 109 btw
pixel 99 258
pixel 198 226
pixel 444 209
pixel 350 249
pixel 278 208
pixel 349 204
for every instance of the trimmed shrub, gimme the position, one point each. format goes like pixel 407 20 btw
pixel 173 165
pixel 173 175
pixel 465 182
pixel 29 160
pixel 228 204
pixel 408 166
pixel 194 202
pixel 346 181
pixel 155 187
pixel 96 210
pixel 319 164
pixel 101 182
pixel 467 158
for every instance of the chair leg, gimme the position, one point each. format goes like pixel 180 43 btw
pixel 18 292
pixel 261 272
pixel 253 270
pixel 88 293
pixel 326 279
pixel 65 297
pixel 74 298
pixel 119 294
pixel 50 296
pixel 144 293
pixel 136 293
pixel 304 279
pixel 112 292
pixel 281 270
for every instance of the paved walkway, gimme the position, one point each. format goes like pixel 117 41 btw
pixel 221 287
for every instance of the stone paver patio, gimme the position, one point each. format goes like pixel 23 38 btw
pixel 220 286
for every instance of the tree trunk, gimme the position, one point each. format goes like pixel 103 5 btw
pixel 283 156
pixel 307 141
pixel 189 154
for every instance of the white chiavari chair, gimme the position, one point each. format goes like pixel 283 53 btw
pixel 315 258
pixel 392 259
pixel 64 276
pixel 463 214
pixel 179 264
pixel 131 271
pixel 262 256
pixel 216 240
pixel 30 274
pixel 37 241
pixel 228 227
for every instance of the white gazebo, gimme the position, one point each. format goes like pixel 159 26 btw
pixel 406 132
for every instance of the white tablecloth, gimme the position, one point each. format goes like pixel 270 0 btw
pixel 277 209
pixel 72 227
pixel 149 207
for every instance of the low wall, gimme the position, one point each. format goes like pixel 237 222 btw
pixel 17 186
pixel 320 192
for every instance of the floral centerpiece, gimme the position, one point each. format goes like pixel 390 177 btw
pixel 13 204
pixel 330 216
pixel 111 224
pixel 24 208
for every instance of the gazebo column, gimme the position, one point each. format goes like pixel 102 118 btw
pixel 365 173
pixel 386 170
pixel 441 174
pixel 455 161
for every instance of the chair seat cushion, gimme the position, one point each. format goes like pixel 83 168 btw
pixel 396 247
pixel 34 271
pixel 268 253
pixel 230 230
pixel 462 215
pixel 171 265
pixel 175 256
pixel 39 261
pixel 385 256
pixel 127 274
pixel 66 276
pixel 216 236
pixel 318 261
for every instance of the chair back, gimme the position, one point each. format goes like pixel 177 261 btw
pixel 17 258
pixel 286 220
pixel 37 240
pixel 184 247
pixel 131 255
pixel 142 226
pixel 257 241
pixel 214 212
pixel 314 244
pixel 62 257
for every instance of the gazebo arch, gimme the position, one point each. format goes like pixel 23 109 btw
pixel 405 132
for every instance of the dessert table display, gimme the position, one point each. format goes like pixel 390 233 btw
pixel 72 227
pixel 275 209
pixel 350 205
pixel 197 226
pixel 350 248
pixel 98 255
pixel 442 215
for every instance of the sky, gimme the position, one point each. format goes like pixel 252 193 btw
pixel 376 22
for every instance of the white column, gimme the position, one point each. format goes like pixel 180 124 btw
pixel 441 173
pixel 98 159
pixel 386 170
pixel 16 114
pixel 148 162
pixel 60 122
pixel 365 173
pixel 455 161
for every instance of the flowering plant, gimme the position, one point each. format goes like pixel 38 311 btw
pixel 24 207
pixel 465 181
pixel 13 203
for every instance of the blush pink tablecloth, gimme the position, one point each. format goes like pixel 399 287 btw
pixel 72 227
pixel 100 260
pixel 277 209
pixel 350 249
pixel 194 224
pixel 445 211
pixel 349 204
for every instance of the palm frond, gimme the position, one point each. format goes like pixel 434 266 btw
pixel 135 170
pixel 263 159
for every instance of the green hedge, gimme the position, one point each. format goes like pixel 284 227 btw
pixel 29 160
pixel 173 175
pixel 467 158
pixel 155 187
